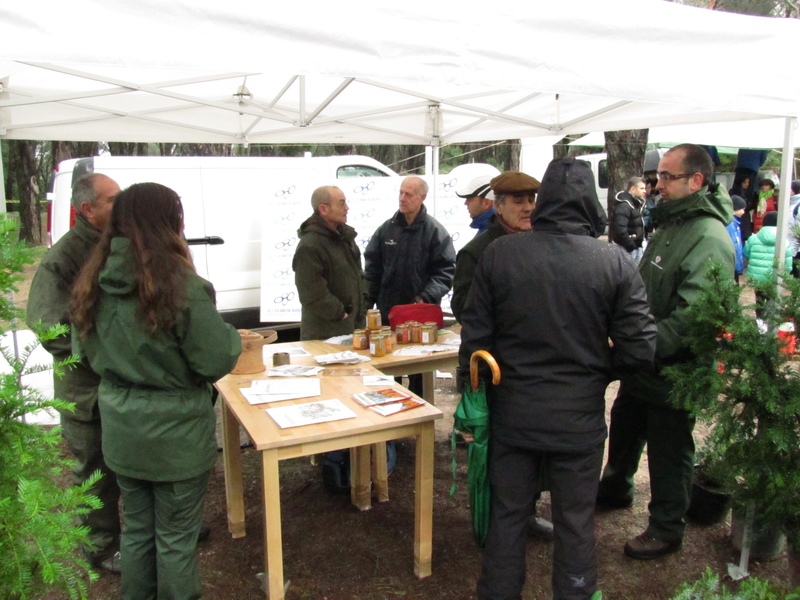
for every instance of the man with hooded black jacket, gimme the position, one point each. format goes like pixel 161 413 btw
pixel 545 303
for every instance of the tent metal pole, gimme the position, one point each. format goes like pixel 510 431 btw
pixel 786 190
pixel 2 183
pixel 435 172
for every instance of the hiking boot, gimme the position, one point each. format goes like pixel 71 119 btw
pixel 111 563
pixel 646 547
pixel 540 528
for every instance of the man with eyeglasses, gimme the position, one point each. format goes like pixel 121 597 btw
pixel 691 235
pixel 327 269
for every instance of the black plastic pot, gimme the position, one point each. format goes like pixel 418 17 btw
pixel 708 505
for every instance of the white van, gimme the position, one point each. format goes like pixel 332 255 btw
pixel 225 200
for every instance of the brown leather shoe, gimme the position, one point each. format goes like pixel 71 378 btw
pixel 646 547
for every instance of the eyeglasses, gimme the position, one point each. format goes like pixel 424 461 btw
pixel 667 177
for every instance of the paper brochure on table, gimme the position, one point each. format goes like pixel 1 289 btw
pixel 378 380
pixel 422 350
pixel 297 351
pixel 345 358
pixel 310 414
pixel 294 371
pixel 264 390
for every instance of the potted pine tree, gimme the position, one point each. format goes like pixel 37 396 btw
pixel 38 536
pixel 745 383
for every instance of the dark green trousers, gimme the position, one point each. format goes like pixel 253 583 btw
pixel 83 438
pixel 667 433
pixel 161 522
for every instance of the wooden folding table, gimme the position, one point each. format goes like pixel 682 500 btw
pixel 358 433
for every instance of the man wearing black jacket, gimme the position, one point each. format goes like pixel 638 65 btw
pixel 627 225
pixel 545 303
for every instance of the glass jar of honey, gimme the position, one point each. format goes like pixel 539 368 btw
pixel 376 345
pixel 435 328
pixel 427 334
pixel 388 341
pixel 360 340
pixel 403 333
pixel 373 319
pixel 416 329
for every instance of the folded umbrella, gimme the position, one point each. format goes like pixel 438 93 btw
pixel 472 418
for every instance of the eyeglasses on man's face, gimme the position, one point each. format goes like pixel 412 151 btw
pixel 666 176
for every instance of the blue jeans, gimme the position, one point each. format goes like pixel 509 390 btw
pixel 161 521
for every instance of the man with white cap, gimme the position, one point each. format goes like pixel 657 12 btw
pixel 478 198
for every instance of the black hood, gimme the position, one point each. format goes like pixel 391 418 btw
pixel 567 200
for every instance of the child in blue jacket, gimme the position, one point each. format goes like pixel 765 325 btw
pixel 735 231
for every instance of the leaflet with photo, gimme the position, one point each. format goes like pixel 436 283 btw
pixel 396 407
pixel 380 397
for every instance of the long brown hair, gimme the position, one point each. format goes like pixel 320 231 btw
pixel 150 216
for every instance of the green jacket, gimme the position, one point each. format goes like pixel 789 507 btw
pixel 155 389
pixel 466 263
pixel 689 238
pixel 48 302
pixel 760 254
pixel 329 280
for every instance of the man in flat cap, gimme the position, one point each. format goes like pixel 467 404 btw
pixel 478 198
pixel 515 199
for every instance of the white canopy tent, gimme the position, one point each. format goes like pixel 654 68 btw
pixel 364 72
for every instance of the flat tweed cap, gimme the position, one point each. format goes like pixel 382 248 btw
pixel 514 182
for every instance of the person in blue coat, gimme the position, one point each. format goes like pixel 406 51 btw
pixel 735 230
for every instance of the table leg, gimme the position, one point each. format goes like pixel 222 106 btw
pixel 273 550
pixel 380 475
pixel 360 483
pixel 428 386
pixel 232 457
pixel 423 502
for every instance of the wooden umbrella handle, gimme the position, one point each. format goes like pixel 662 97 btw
pixel 473 368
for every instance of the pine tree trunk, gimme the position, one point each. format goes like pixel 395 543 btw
pixel 23 169
pixel 625 150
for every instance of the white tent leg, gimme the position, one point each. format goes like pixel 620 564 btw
pixel 2 183
pixel 787 171
pixel 434 173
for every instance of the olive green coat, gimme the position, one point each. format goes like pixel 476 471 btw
pixel 689 238
pixel 48 302
pixel 466 263
pixel 155 389
pixel 329 280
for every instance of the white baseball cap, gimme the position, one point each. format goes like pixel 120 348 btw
pixel 477 187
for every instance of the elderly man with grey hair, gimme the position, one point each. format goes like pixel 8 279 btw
pixel 48 303
pixel 410 258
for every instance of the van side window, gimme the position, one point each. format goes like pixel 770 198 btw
pixel 602 175
pixel 359 171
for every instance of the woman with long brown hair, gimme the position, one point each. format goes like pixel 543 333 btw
pixel 147 324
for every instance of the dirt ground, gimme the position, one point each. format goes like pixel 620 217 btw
pixel 332 551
